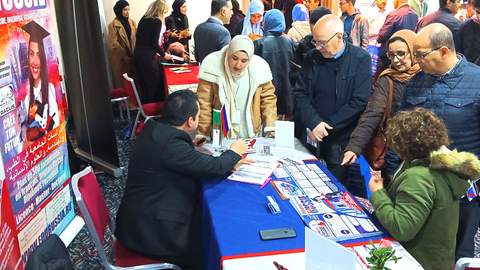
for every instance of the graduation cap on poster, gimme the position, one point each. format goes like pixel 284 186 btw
pixel 37 32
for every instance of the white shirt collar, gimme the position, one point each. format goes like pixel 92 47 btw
pixel 216 19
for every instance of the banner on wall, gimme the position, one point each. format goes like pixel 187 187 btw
pixel 36 199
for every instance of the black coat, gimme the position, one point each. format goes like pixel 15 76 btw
pixel 468 41
pixel 149 76
pixel 278 51
pixel 209 36
pixel 352 88
pixel 163 189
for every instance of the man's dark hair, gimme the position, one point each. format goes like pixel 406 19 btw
pixel 442 3
pixel 217 5
pixel 318 13
pixel 180 106
pixel 236 5
pixel 443 37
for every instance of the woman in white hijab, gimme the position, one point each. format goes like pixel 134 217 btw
pixel 242 82
pixel 252 23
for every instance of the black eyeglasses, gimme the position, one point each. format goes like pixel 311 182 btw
pixel 322 43
pixel 422 55
pixel 400 55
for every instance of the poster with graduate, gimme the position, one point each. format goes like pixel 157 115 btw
pixel 36 199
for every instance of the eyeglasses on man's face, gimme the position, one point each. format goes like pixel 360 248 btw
pixel 422 55
pixel 321 43
pixel 400 55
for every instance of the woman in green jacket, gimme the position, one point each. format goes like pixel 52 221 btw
pixel 420 207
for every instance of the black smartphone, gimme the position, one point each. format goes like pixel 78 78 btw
pixel 277 233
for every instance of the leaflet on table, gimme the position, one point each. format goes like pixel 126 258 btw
pixel 255 173
pixel 323 205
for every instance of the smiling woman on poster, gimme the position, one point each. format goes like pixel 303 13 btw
pixel 40 101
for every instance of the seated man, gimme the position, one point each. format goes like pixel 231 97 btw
pixel 159 211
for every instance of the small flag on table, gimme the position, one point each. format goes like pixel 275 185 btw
pixel 225 123
pixel 472 192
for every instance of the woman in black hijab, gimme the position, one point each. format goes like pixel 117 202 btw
pixel 121 39
pixel 177 27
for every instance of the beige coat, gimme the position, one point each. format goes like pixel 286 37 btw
pixel 299 30
pixel 262 100
pixel 264 106
pixel 121 50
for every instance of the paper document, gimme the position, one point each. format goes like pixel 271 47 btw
pixel 255 173
pixel 284 134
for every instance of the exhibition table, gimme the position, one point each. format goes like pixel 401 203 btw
pixel 179 77
pixel 235 212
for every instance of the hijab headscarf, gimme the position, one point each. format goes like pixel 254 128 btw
pixel 256 7
pixel 300 13
pixel 180 19
pixel 274 22
pixel 406 36
pixel 244 44
pixel 117 8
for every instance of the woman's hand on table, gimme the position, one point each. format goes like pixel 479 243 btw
pixel 349 158
pixel 270 134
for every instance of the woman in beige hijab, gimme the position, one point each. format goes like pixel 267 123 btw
pixel 401 70
pixel 241 82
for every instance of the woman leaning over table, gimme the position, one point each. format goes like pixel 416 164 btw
pixel 242 82
pixel 420 207
pixel 402 68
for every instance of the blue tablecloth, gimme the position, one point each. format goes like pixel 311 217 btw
pixel 233 215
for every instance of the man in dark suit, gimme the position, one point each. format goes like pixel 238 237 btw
pixel 211 36
pixel 159 212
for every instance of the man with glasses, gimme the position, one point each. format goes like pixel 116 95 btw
pixel 444 15
pixel 331 92
pixel 448 85
pixel 311 4
pixel 468 37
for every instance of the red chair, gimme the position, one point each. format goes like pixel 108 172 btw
pixel 147 111
pixel 120 96
pixel 90 201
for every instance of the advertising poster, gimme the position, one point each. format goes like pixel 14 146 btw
pixel 34 159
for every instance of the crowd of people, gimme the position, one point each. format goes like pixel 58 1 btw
pixel 298 62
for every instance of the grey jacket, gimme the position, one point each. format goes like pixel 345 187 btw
pixel 360 28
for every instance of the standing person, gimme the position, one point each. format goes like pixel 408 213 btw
pixel 160 214
pixel 401 18
pixel 121 40
pixel 311 4
pixel 177 26
pixel 252 23
pixel 419 6
pixel 331 92
pixel 211 36
pixel 444 15
pixel 40 101
pixel 286 7
pixel 241 82
pixel 306 44
pixel 376 21
pixel 277 50
pixel 420 207
pixel 237 18
pixel 468 37
pixel 300 26
pixel 401 70
pixel 448 85
pixel 355 24
pixel 147 51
